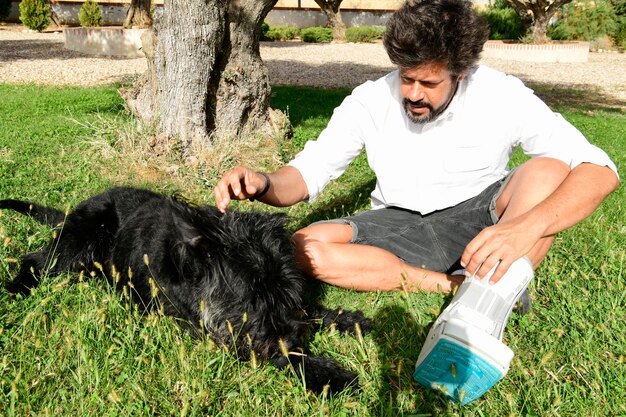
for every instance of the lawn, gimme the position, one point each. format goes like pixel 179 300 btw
pixel 75 348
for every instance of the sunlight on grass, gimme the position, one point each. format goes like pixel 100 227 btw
pixel 76 348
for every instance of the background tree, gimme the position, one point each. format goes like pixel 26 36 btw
pixel 335 22
pixel 138 15
pixel 536 15
pixel 205 77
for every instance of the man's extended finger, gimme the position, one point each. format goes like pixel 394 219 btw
pixel 502 268
pixel 488 263
pixel 249 182
pixel 473 260
pixel 222 199
pixel 469 258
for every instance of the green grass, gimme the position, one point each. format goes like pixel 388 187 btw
pixel 75 348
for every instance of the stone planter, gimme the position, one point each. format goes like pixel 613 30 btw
pixel 549 52
pixel 109 41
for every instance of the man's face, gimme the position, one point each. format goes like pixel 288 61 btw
pixel 426 91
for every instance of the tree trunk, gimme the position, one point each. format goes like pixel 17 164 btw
pixel 539 29
pixel 243 91
pixel 138 15
pixel 53 15
pixel 205 75
pixel 536 15
pixel 335 22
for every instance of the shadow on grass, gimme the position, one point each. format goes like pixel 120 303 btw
pixel 349 201
pixel 581 98
pixel 304 103
pixel 399 339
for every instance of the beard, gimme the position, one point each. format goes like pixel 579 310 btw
pixel 424 118
pixel 433 112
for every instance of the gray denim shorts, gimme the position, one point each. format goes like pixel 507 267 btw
pixel 434 241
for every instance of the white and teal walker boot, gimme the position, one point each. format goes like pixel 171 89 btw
pixel 463 355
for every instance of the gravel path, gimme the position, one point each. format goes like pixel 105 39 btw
pixel 41 58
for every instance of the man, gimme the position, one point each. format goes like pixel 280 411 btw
pixel 438 133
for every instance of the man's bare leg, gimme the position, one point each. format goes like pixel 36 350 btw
pixel 323 251
pixel 532 183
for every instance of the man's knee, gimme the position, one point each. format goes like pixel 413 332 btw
pixel 309 253
pixel 531 183
pixel 546 171
pixel 312 245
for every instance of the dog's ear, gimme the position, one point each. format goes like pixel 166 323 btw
pixel 187 232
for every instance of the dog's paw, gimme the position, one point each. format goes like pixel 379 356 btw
pixel 349 321
pixel 345 321
pixel 325 375
pixel 21 286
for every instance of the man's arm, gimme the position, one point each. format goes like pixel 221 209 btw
pixel 582 191
pixel 286 187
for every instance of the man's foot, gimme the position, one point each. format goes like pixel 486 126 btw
pixel 522 306
pixel 463 355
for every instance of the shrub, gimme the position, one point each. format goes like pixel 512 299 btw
pixel 364 33
pixel 265 27
pixel 281 33
pixel 619 33
pixel 504 23
pixel 89 14
pixel 316 34
pixel 584 20
pixel 5 9
pixel 35 14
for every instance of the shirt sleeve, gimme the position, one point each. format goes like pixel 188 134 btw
pixel 326 158
pixel 543 132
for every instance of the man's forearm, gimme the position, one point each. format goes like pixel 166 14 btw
pixel 575 199
pixel 287 188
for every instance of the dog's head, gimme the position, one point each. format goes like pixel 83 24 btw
pixel 248 282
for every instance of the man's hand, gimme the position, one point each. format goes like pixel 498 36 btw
pixel 504 242
pixel 239 183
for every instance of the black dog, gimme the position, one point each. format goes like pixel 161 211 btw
pixel 224 274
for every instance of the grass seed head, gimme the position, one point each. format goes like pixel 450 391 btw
pixel 154 287
pixel 283 348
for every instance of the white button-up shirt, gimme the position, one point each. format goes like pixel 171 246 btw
pixel 432 166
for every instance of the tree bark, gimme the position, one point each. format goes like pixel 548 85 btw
pixel 335 22
pixel 205 77
pixel 53 15
pixel 138 15
pixel 243 91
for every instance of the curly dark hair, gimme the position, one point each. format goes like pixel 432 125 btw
pixel 436 31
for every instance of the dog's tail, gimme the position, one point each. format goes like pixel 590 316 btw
pixel 40 213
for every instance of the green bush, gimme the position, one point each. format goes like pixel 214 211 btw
pixel 281 33
pixel 504 23
pixel 35 14
pixel 619 32
pixel 89 14
pixel 5 9
pixel 364 33
pixel 585 20
pixel 265 27
pixel 316 34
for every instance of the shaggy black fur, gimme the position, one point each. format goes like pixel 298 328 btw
pixel 223 274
